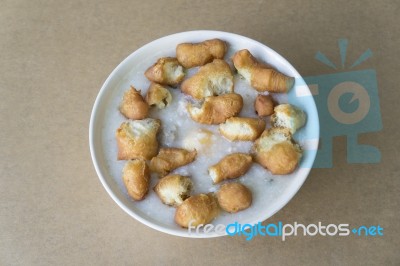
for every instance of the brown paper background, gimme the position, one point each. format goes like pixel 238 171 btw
pixel 54 57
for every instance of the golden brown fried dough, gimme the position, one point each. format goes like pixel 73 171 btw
pixel 138 139
pixel 133 105
pixel 259 75
pixel 196 210
pixel 173 189
pixel 231 166
pixel 234 197
pixel 158 95
pixel 276 151
pixel 264 105
pixel 242 128
pixel 198 54
pixel 169 159
pixel 216 109
pixel 166 71
pixel 136 177
pixel 212 79
pixel 288 116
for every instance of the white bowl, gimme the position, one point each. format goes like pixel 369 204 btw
pixel 270 193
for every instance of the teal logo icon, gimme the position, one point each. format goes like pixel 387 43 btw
pixel 348 105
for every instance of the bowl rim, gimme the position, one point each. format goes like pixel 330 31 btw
pixel 94 114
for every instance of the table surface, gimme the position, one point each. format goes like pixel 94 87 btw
pixel 54 57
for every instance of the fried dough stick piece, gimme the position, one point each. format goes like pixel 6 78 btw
pixel 276 151
pixel 242 128
pixel 196 210
pixel 198 54
pixel 138 139
pixel 212 79
pixel 231 166
pixel 166 71
pixel 260 76
pixel 136 177
pixel 133 105
pixel 216 109
pixel 173 189
pixel 169 159
pixel 234 197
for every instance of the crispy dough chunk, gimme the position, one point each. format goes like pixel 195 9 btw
pixel 264 105
pixel 242 128
pixel 158 95
pixel 196 210
pixel 173 189
pixel 231 166
pixel 166 71
pixel 259 75
pixel 133 105
pixel 288 116
pixel 136 177
pixel 276 151
pixel 138 139
pixel 234 197
pixel 212 79
pixel 169 159
pixel 198 54
pixel 217 109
